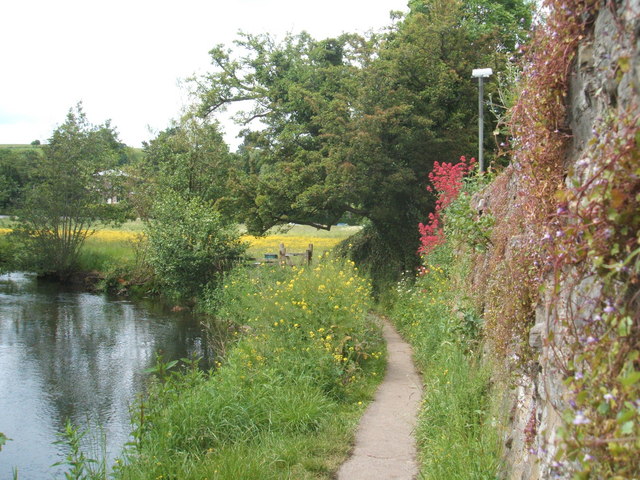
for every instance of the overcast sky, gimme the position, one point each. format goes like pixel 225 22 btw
pixel 124 58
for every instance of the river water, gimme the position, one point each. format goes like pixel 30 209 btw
pixel 73 355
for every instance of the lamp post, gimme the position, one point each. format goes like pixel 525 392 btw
pixel 481 74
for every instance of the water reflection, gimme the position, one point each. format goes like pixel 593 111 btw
pixel 66 354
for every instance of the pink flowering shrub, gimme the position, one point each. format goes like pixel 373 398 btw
pixel 446 181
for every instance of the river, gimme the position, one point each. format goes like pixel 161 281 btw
pixel 73 355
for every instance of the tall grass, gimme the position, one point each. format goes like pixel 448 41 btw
pixel 104 250
pixel 284 402
pixel 456 433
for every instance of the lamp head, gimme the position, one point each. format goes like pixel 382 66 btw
pixel 481 72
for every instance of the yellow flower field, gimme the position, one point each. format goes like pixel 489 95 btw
pixel 293 243
pixel 115 235
pixel 101 235
pixel 296 240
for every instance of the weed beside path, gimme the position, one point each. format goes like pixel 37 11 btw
pixel 457 432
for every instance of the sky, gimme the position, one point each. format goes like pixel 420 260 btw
pixel 125 59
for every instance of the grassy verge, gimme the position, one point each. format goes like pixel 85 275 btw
pixel 285 400
pixel 456 433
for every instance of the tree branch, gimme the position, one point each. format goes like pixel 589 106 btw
pixel 319 226
pixel 357 211
pixel 246 121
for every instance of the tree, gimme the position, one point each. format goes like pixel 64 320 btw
pixel 184 173
pixel 282 172
pixel 353 125
pixel 17 166
pixel 67 195
pixel 189 157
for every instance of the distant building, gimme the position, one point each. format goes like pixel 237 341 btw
pixel 112 185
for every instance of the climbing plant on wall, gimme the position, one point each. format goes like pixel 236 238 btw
pixel 583 218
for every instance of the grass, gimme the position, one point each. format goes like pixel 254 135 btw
pixel 6 224
pixel 109 247
pixel 20 146
pixel 285 400
pixel 456 431
pixel 100 253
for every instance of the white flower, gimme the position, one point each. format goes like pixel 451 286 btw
pixel 580 419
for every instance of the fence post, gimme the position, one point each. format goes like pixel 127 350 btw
pixel 309 253
pixel 282 255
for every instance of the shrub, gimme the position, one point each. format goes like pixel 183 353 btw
pixel 447 181
pixel 190 245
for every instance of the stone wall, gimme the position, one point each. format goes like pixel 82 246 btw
pixel 605 78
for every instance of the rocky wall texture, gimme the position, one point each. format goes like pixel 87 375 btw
pixel 604 84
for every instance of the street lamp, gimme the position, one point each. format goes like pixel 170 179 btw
pixel 480 74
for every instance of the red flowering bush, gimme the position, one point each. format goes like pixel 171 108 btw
pixel 446 179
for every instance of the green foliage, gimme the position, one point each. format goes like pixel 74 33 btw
pixel 284 402
pixel 3 439
pixel 190 244
pixel 506 22
pixel 189 157
pixel 500 105
pixel 381 256
pixel 66 195
pixel 464 224
pixel 353 124
pixel 79 465
pixel 17 166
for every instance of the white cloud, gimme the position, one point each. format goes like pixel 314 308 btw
pixel 124 58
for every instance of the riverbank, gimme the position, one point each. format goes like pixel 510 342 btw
pixel 285 401
pixel 286 395
pixel 115 259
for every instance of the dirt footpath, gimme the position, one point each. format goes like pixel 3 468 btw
pixel 385 445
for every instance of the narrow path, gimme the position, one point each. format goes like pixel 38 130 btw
pixel 385 446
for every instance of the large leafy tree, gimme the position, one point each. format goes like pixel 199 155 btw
pixel 68 194
pixel 190 157
pixel 353 125
pixel 283 165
